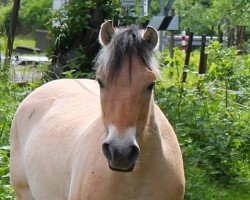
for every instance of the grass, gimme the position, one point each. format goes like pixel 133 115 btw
pixel 24 40
pixel 20 40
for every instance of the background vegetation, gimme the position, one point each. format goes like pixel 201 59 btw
pixel 201 15
pixel 210 113
pixel 32 15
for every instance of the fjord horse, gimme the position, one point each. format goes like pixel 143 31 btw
pixel 102 139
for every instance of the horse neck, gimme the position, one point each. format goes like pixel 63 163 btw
pixel 152 149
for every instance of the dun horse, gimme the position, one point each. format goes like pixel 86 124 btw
pixel 77 140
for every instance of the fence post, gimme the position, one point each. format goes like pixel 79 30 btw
pixel 212 32
pixel 171 45
pixel 221 37
pixel 240 38
pixel 237 36
pixel 233 36
pixel 219 34
pixel 12 30
pixel 229 37
pixel 187 58
pixel 202 65
pixel 183 41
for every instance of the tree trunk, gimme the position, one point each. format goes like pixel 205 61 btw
pixel 12 28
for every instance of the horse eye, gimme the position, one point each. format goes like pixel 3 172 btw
pixel 100 83
pixel 151 86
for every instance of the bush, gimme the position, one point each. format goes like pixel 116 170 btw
pixel 35 14
pixel 5 11
pixel 211 117
pixel 75 36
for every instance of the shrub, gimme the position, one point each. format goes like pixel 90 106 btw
pixel 5 11
pixel 211 117
pixel 35 14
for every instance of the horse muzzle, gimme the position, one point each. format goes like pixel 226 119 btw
pixel 121 150
pixel 120 157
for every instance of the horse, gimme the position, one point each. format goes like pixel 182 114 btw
pixel 102 139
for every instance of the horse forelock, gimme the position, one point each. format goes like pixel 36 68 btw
pixel 127 42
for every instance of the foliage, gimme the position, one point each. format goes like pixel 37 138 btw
pixel 193 14
pixel 5 11
pixel 32 15
pixel 200 15
pixel 11 96
pixel 211 117
pixel 73 20
pixel 75 33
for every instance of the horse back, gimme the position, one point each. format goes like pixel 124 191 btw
pixel 61 97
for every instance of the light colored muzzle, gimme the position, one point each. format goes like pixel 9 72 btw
pixel 121 149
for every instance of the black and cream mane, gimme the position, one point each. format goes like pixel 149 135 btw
pixel 126 43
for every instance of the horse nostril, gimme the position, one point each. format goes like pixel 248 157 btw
pixel 134 153
pixel 106 151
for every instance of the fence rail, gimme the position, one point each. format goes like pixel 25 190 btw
pixel 196 40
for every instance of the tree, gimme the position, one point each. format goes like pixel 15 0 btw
pixel 12 29
pixel 76 36
pixel 201 15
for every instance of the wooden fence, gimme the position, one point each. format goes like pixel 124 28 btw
pixel 235 36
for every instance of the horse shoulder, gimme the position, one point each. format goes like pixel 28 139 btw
pixel 172 153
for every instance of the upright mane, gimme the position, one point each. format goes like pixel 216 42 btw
pixel 126 42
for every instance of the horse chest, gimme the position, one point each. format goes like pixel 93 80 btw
pixel 125 193
pixel 124 188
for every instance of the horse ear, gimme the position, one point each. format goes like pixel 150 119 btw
pixel 150 35
pixel 106 32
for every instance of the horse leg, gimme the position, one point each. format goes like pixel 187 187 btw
pixel 17 169
pixel 19 180
pixel 24 194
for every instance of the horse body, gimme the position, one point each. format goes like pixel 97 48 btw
pixel 38 144
pixel 63 131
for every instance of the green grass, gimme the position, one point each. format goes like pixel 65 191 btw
pixel 20 40
pixel 24 40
